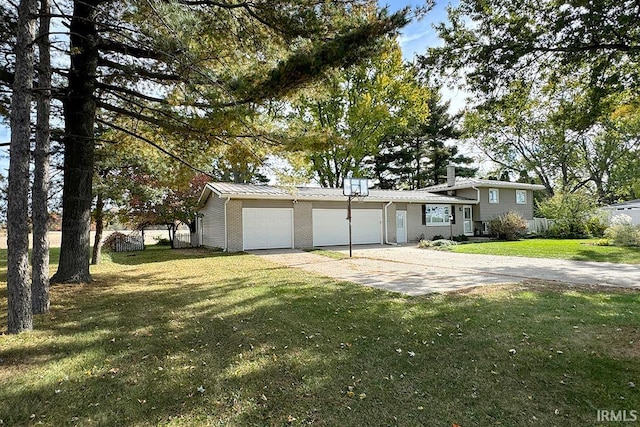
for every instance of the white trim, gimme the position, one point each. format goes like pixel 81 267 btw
pixel 497 199
pixel 405 234
pixel 467 233
pixel 525 197
pixel 386 223
pixel 437 224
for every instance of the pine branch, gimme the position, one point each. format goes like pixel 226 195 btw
pixel 129 70
pixel 137 52
pixel 156 146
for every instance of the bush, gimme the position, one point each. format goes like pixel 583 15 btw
pixel 460 238
pixel 571 213
pixel 622 232
pixel 596 225
pixel 438 237
pixel 162 241
pixel 509 226
pixel 439 243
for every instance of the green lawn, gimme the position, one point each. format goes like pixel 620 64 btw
pixel 187 338
pixel 572 249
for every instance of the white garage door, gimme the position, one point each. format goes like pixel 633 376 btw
pixel 330 226
pixel 267 228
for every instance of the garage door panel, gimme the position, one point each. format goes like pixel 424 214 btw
pixel 331 227
pixel 267 228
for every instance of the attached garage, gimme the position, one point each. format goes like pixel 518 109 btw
pixel 330 226
pixel 267 228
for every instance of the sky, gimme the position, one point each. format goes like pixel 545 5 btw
pixel 417 36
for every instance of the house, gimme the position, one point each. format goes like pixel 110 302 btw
pixel 630 208
pixel 493 198
pixel 237 217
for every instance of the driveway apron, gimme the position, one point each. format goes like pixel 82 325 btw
pixel 414 271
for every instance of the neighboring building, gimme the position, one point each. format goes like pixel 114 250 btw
pixel 237 217
pixel 494 198
pixel 630 208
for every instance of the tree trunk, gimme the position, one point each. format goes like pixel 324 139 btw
pixel 97 241
pixel 40 213
pixel 172 235
pixel 79 117
pixel 19 315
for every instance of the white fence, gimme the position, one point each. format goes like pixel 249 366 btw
pixel 183 240
pixel 539 225
pixel 124 243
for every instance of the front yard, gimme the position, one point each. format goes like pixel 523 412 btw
pixel 571 249
pixel 200 338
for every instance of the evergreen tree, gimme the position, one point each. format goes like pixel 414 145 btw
pixel 416 157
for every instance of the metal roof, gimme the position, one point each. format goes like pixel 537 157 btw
pixel 252 191
pixel 476 182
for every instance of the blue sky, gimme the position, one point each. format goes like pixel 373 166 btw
pixel 418 35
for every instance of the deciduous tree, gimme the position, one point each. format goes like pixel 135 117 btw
pixel 346 117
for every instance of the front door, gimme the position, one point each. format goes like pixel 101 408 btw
pixel 468 221
pixel 401 226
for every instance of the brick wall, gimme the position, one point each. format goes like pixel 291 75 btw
pixel 303 226
pixel 234 226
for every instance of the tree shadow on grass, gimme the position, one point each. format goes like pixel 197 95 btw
pixel 153 254
pixel 622 255
pixel 262 345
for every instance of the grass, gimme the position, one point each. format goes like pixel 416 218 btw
pixel 188 337
pixel 328 253
pixel 571 249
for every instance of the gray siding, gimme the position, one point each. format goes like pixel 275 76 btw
pixel 390 226
pixel 213 235
pixel 507 202
pixel 416 230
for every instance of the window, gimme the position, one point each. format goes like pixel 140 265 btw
pixel 493 195
pixel 521 197
pixel 436 214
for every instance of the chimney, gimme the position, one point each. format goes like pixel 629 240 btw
pixel 451 175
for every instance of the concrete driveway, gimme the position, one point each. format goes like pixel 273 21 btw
pixel 414 271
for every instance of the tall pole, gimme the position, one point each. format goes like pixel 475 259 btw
pixel 349 218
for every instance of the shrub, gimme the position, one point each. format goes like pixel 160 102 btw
pixel 596 225
pixel 622 232
pixel 439 243
pixel 438 237
pixel 460 238
pixel 570 211
pixel 162 241
pixel 508 226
